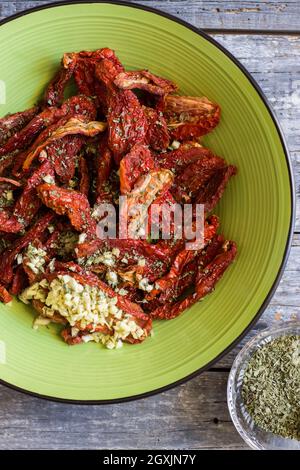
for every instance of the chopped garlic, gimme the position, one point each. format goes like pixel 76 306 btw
pixel 144 285
pixel 51 265
pixel 49 179
pixel 175 144
pixel 82 237
pixel 9 195
pixel 84 306
pixel 36 258
pixel 40 321
pixel 19 258
pixel 123 291
pixel 116 252
pixel 106 258
pixel 112 278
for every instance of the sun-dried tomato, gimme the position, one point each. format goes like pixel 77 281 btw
pixel 129 252
pixel 28 203
pixel 84 184
pixel 135 164
pixel 145 80
pixel 93 72
pixel 13 123
pixel 211 192
pixel 172 247
pixel 157 134
pixel 79 105
pixel 103 166
pixel 108 68
pixel 64 154
pixel 146 189
pixel 20 281
pixel 189 116
pixel 42 137
pixel 177 160
pixel 183 273
pixel 195 176
pixel 205 282
pixel 72 127
pixel 127 122
pixel 10 181
pixel 7 259
pixel 8 222
pixel 161 214
pixel 5 296
pixel 76 105
pixel 6 161
pixel 71 203
pixel 54 93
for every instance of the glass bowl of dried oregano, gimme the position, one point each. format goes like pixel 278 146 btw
pixel 263 389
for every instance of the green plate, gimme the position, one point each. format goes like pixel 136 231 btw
pixel 256 210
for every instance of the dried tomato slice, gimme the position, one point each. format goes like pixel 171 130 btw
pixel 103 167
pixel 195 176
pixel 76 105
pixel 145 80
pixel 13 123
pixel 28 203
pixel 189 116
pixel 84 184
pixel 177 160
pixel 7 259
pixel 5 295
pixel 72 127
pixel 147 188
pixel 54 93
pixel 9 223
pixel 71 203
pixel 127 122
pixel 64 155
pixel 136 163
pixel 211 192
pixel 205 282
pixel 157 134
pixel 20 281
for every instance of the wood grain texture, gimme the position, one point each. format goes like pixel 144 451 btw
pixel 276 68
pixel 194 415
pixel 226 15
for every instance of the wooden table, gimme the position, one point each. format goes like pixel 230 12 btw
pixel 265 37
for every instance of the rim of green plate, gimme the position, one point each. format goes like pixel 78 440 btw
pixel 292 194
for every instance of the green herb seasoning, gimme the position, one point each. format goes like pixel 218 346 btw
pixel 271 387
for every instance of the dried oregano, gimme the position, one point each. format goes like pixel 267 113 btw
pixel 271 387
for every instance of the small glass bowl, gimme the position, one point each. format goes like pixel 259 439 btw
pixel 254 436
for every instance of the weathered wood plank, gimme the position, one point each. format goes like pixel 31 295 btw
pixel 284 305
pixel 230 15
pixel 276 67
pixel 192 416
pixel 198 416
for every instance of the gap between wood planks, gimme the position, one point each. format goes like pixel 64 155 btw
pixel 252 32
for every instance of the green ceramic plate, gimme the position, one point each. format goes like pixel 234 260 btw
pixel 256 210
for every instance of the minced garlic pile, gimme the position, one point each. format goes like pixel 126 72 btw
pixel 82 306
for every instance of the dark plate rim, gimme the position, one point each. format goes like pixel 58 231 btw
pixel 292 193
